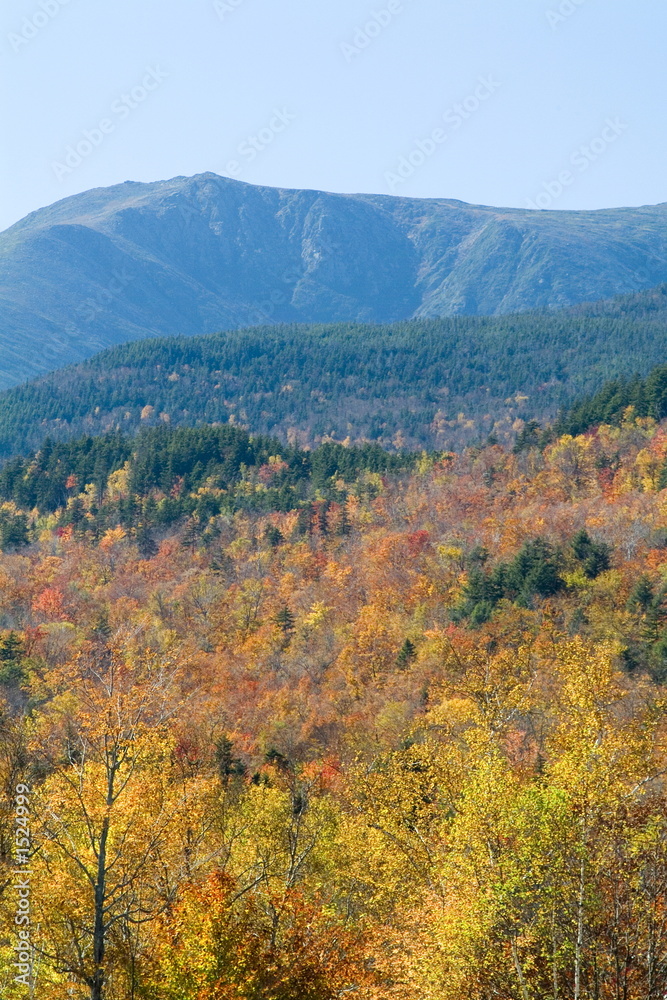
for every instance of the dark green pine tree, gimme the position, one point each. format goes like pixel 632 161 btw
pixel 642 595
pixel 12 652
pixel 323 517
pixel 656 393
pixel 407 654
pixel 74 514
pixel 285 620
pixel 191 535
pixel 594 556
pixel 273 536
pixel 304 524
pixel 13 531
pixel 101 629
pixel 344 526
pixel 145 542
pixel 11 647
pixel 227 764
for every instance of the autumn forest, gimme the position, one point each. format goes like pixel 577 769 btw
pixel 292 725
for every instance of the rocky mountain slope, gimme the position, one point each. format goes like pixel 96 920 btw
pixel 203 254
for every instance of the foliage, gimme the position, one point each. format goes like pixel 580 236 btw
pixel 401 737
pixel 435 384
pixel 166 475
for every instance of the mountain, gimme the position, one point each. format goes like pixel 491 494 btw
pixel 439 383
pixel 198 255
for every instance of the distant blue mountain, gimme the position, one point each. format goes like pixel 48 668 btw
pixel 204 254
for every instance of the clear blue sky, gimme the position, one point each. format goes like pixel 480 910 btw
pixel 351 104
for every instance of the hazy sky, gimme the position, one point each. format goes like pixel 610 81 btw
pixel 554 103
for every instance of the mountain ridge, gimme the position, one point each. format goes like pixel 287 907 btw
pixel 198 255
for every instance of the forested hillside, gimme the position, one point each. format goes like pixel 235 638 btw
pixel 164 476
pixel 194 255
pixel 647 397
pixel 296 726
pixel 649 304
pixel 427 383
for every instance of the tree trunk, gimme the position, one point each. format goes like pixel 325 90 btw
pixel 554 952
pixel 580 936
pixel 519 970
pixel 99 935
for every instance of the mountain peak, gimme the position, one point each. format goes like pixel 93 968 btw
pixel 192 255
